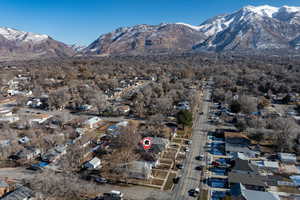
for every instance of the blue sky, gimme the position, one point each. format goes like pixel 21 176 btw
pixel 82 21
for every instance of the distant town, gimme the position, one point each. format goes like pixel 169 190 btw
pixel 115 128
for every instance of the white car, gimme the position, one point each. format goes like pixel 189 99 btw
pixel 186 149
pixel 116 192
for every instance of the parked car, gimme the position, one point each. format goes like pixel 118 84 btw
pixel 176 179
pixel 200 157
pixel 100 180
pixel 186 149
pixel 194 192
pixel 188 142
pixel 180 166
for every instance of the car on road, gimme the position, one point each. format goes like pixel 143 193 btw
pixel 179 166
pixel 194 192
pixel 101 180
pixel 176 179
pixel 201 113
pixel 200 157
pixel 188 142
pixel 199 168
pixel 186 149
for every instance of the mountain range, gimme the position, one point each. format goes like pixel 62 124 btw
pixel 247 29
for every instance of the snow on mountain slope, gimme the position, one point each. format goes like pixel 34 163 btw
pixel 16 44
pixel 264 10
pixel 261 27
pixel 21 36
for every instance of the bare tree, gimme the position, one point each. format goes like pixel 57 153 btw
pixel 100 101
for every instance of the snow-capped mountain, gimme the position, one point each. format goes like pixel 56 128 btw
pixel 20 44
pixel 21 36
pixel 146 39
pixel 260 27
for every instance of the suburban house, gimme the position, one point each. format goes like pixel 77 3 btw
pixel 54 153
pixel 5 112
pixel 267 165
pixel 239 139
pixel 287 157
pixel 93 122
pixel 17 92
pixel 9 119
pixel 159 144
pixel 239 192
pixel 93 164
pixel 251 181
pixel 40 118
pixel 28 153
pixel 8 100
pixel 139 170
pixel 231 150
pixel 21 193
pixel 4 188
pixel 244 167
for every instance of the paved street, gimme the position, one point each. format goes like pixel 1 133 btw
pixel 190 177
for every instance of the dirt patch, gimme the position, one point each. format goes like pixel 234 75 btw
pixel 157 182
pixel 159 174
pixel 170 181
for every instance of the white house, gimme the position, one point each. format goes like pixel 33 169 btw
pixel 93 164
pixel 40 118
pixel 93 122
pixel 139 170
pixel 287 157
pixel 5 112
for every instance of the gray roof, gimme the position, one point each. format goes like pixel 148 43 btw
pixel 247 179
pixel 244 165
pixel 241 149
pixel 255 195
pixel 20 193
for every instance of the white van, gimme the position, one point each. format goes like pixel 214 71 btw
pixel 116 192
